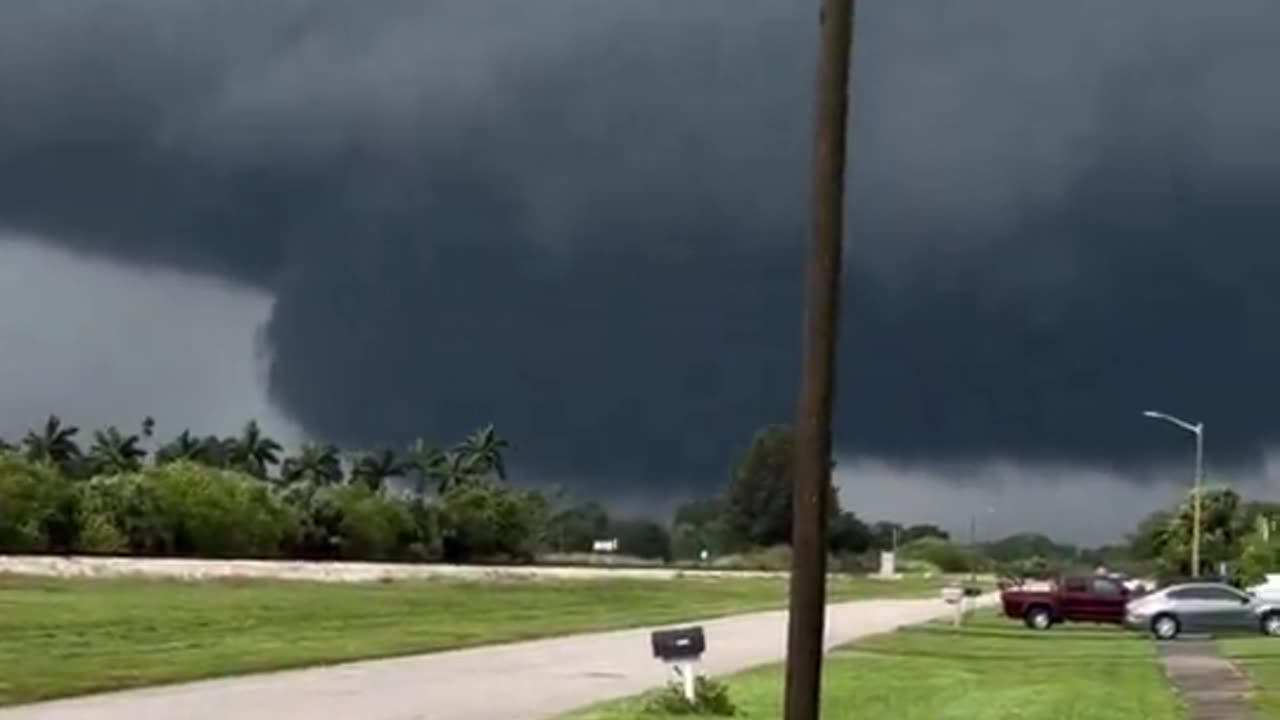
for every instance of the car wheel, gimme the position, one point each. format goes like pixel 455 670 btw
pixel 1165 627
pixel 1039 618
pixel 1271 624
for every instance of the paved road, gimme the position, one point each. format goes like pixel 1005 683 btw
pixel 522 681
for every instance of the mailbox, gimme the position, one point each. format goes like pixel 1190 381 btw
pixel 679 644
pixel 972 591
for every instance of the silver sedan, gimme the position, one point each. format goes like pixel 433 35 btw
pixel 1202 608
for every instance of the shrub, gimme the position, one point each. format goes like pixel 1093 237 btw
pixel 356 523
pixel 1260 557
pixel 710 697
pixel 482 520
pixel 688 540
pixel 37 507
pixel 100 536
pixel 641 538
pixel 944 555
pixel 772 559
pixel 185 509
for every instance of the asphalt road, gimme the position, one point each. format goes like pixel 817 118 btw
pixel 522 681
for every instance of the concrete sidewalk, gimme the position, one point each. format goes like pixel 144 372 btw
pixel 522 681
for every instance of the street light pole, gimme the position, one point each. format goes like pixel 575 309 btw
pixel 1196 429
pixel 1196 502
pixel 812 469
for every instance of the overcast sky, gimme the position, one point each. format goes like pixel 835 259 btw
pixel 584 221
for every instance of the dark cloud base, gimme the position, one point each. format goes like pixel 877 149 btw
pixel 608 264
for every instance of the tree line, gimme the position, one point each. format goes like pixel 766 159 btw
pixel 1239 541
pixel 242 496
pixel 120 492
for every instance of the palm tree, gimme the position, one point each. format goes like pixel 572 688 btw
pixel 426 461
pixel 483 450
pixel 54 443
pixel 217 452
pixel 316 464
pixel 373 469
pixel 186 447
pixel 148 426
pixel 253 452
pixel 113 453
pixel 454 468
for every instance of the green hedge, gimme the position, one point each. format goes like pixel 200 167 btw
pixel 37 507
pixel 186 509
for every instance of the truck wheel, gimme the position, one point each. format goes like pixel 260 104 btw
pixel 1165 627
pixel 1038 618
pixel 1271 624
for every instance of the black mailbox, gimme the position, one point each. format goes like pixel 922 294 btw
pixel 972 591
pixel 679 644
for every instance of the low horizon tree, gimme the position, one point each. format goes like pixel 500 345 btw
pixel 54 444
pixel 758 504
pixel 112 452
pixel 374 469
pixel 454 470
pixel 483 451
pixel 425 461
pixel 253 451
pixel 316 464
pixel 184 447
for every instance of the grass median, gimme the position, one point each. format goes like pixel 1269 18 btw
pixel 69 637
pixel 990 669
pixel 1259 657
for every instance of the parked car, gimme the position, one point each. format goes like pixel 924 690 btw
pixel 1202 607
pixel 1268 589
pixel 1095 599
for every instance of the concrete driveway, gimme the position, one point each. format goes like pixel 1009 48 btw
pixel 521 681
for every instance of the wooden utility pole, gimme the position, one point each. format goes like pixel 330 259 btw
pixel 817 382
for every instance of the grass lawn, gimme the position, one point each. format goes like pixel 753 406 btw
pixel 1260 658
pixel 991 669
pixel 67 637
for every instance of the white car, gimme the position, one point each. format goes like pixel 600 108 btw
pixel 1269 590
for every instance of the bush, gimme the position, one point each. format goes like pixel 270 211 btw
pixel 353 522
pixel 710 697
pixel 770 559
pixel 100 536
pixel 688 540
pixel 184 509
pixel 487 521
pixel 37 507
pixel 1260 557
pixel 942 554
pixel 641 538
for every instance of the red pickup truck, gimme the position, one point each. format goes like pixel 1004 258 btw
pixel 1096 599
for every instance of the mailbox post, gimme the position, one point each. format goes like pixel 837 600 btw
pixel 681 648
pixel 954 596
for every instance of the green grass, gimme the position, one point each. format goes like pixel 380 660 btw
pixel 991 669
pixel 1260 658
pixel 67 637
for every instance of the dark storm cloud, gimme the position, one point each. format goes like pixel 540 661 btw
pixel 585 220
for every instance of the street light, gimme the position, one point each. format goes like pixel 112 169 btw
pixel 1196 429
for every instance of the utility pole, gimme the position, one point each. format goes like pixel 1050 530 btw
pixel 817 382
